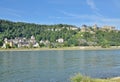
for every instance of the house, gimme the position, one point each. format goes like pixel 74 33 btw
pixel 110 28
pixel 45 42
pixel 36 45
pixel 60 40
pixel 21 42
pixel 83 28
pixel 95 27
pixel 73 28
pixel 41 41
pixel 57 29
pixel 33 42
pixel 32 39
pixel 7 42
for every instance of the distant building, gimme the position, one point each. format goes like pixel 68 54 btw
pixel 21 42
pixel 32 39
pixel 7 42
pixel 110 28
pixel 60 40
pixel 44 42
pixel 36 45
pixel 33 42
pixel 85 28
pixel 73 28
pixel 95 27
pixel 57 29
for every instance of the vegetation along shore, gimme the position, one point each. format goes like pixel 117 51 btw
pixel 81 78
pixel 29 35
pixel 63 48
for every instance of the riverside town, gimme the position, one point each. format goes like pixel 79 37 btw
pixel 28 35
pixel 59 40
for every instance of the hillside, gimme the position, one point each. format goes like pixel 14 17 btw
pixel 72 35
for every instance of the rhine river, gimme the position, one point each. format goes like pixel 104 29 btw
pixel 57 65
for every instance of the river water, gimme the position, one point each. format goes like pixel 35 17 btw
pixel 58 65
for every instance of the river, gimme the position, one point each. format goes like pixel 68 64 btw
pixel 57 65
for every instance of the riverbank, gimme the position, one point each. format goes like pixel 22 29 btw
pixel 80 78
pixel 63 48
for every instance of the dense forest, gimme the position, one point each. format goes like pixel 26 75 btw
pixel 72 37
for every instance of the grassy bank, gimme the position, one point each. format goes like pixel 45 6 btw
pixel 62 48
pixel 80 78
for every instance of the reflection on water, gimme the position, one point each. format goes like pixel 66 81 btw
pixel 57 66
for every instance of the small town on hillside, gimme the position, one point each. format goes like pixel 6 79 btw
pixel 20 42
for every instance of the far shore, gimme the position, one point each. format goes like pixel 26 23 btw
pixel 63 48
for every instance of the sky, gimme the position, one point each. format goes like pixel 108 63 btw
pixel 73 12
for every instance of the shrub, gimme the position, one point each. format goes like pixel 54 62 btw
pixel 79 78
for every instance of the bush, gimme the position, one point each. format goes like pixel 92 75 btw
pixel 80 78
pixel 1 43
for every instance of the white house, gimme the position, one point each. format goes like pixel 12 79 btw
pixel 36 45
pixel 60 40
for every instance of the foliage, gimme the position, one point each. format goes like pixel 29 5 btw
pixel 80 78
pixel 51 33
pixel 42 45
pixel 8 46
pixel 10 29
pixel 1 43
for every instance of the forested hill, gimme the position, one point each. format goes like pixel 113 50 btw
pixel 72 35
pixel 10 29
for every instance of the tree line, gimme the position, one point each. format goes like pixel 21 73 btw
pixel 10 30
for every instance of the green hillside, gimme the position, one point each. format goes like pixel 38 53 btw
pixel 72 35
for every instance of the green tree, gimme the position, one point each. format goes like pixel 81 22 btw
pixel 1 43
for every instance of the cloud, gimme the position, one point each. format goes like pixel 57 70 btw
pixel 90 19
pixel 92 4
pixel 10 12
pixel 80 16
pixel 111 20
